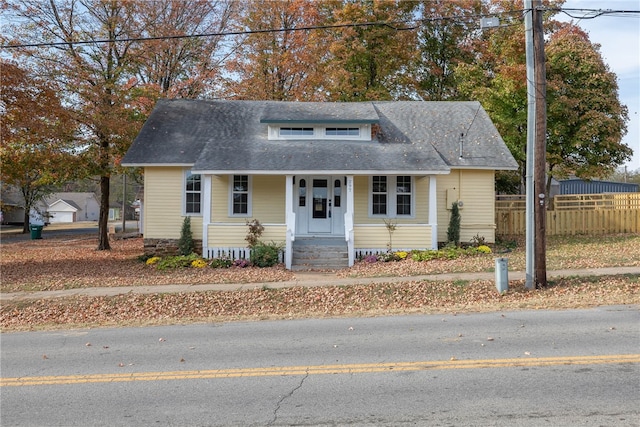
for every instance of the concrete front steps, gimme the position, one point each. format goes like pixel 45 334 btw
pixel 319 253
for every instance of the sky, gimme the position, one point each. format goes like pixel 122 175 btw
pixel 619 39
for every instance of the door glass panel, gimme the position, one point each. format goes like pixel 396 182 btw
pixel 302 196
pixel 337 193
pixel 320 193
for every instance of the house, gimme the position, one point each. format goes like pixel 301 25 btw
pixel 68 207
pixel 317 172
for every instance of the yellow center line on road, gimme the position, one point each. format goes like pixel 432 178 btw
pixel 323 369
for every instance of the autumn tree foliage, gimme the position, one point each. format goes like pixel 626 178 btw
pixel 445 40
pixel 91 49
pixel 349 50
pixel 186 67
pixel 586 120
pixel 36 136
pixel 277 65
pixel 373 60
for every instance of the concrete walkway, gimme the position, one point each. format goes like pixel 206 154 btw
pixel 309 279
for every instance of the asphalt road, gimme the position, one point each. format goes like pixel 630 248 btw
pixel 579 367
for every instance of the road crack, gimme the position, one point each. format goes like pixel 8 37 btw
pixel 286 396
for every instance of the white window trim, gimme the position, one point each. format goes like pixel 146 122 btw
pixel 320 131
pixel 392 185
pixel 358 128
pixel 185 175
pixel 249 197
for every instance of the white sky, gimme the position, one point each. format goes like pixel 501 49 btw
pixel 619 38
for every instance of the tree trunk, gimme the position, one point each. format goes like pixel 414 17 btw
pixel 103 222
pixel 25 227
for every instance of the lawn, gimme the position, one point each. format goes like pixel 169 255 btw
pixel 72 262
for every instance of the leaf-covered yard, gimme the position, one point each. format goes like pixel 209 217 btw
pixel 72 262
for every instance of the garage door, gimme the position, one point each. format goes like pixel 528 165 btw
pixel 59 217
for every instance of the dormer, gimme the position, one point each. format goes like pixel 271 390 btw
pixel 316 131
pixel 321 121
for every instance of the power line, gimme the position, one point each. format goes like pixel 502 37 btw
pixel 594 13
pixel 394 25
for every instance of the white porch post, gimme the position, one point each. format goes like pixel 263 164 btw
pixel 348 221
pixel 206 213
pixel 433 211
pixel 290 222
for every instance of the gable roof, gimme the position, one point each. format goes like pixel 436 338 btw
pixel 414 137
pixel 62 202
pixel 75 199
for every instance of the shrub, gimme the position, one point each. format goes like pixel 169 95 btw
pixel 254 233
pixel 185 244
pixel 178 261
pixel 152 260
pixel 484 249
pixel 370 259
pixel 478 240
pixel 401 254
pixel 265 254
pixel 198 263
pixel 453 232
pixel 241 263
pixel 223 262
pixel 388 257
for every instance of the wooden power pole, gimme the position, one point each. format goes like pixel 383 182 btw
pixel 540 157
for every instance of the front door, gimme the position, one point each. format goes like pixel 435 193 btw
pixel 321 206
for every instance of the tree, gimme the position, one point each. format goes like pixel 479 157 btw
pixel 183 67
pixel 586 119
pixel 37 135
pixel 185 243
pixel 444 41
pixel 497 78
pixel 100 77
pixel 453 231
pixel 370 62
pixel 280 65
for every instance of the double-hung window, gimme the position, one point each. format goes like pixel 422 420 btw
pixel 391 196
pixel 193 194
pixel 403 195
pixel 379 195
pixel 240 200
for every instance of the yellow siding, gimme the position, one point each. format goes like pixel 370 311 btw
pixel 268 200
pixel 361 202
pixel 220 200
pixel 404 237
pixel 163 204
pixel 475 188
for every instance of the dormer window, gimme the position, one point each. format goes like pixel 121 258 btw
pixel 289 131
pixel 354 132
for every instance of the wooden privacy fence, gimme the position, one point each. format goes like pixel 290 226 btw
pixel 574 214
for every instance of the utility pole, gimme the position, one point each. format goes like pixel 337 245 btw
pixel 540 147
pixel 536 265
pixel 530 153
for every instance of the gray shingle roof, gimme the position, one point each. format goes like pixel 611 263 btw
pixel 231 136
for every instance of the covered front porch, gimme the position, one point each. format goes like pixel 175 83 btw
pixel 318 207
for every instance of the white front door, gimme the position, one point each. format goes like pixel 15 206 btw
pixel 320 206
